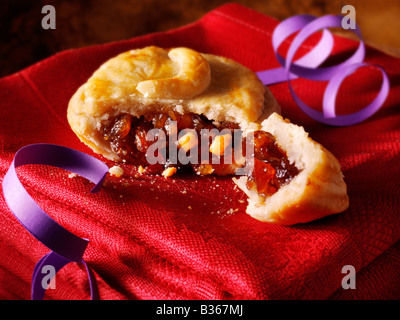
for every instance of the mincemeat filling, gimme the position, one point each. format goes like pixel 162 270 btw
pixel 270 170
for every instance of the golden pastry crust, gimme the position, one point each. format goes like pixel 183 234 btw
pixel 317 191
pixel 154 79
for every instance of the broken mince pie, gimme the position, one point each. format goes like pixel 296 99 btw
pixel 201 108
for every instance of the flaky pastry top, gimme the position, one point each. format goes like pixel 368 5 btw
pixel 153 78
pixel 156 80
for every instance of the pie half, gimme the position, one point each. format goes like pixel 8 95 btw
pixel 288 177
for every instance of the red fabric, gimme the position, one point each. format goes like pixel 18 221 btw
pixel 189 237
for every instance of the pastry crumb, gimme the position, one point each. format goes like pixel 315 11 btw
pixel 179 108
pixel 232 211
pixel 72 175
pixel 116 171
pixel 140 169
pixel 169 172
pixel 190 207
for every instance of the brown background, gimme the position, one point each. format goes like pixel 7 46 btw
pixel 82 23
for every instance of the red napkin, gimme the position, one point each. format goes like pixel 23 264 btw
pixel 189 237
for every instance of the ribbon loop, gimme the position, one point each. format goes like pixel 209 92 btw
pixel 65 246
pixel 308 67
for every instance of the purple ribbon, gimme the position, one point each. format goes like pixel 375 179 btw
pixel 65 246
pixel 308 67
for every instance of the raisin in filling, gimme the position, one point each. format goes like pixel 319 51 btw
pixel 270 170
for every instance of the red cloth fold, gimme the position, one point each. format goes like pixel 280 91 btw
pixel 189 237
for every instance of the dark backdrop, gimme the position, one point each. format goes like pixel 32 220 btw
pixel 82 23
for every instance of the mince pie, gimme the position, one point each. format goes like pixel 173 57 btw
pixel 218 115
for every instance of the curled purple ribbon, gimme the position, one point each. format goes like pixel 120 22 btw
pixel 65 246
pixel 308 67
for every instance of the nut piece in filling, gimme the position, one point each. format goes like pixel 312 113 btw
pixel 271 169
